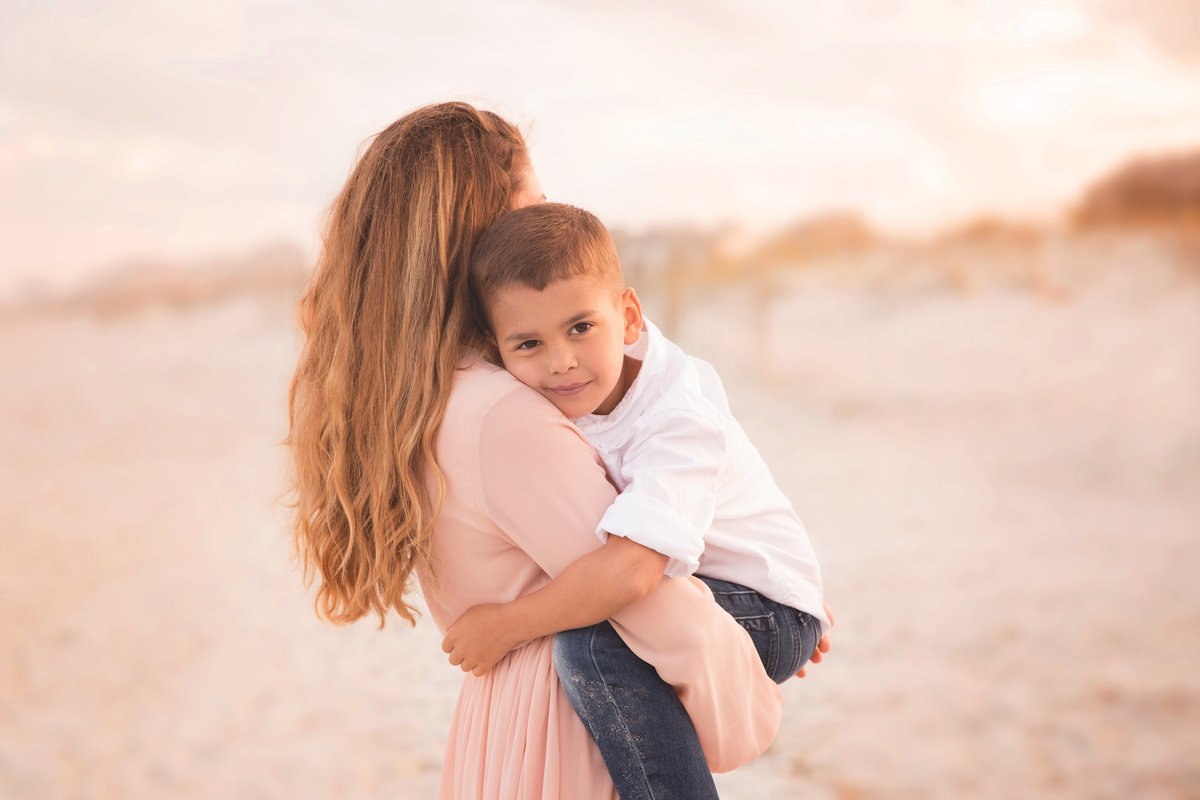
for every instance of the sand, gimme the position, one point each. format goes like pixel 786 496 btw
pixel 1004 490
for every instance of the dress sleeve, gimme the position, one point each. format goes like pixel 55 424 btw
pixel 544 488
pixel 670 476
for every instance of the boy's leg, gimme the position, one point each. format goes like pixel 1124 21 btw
pixel 644 733
pixel 784 637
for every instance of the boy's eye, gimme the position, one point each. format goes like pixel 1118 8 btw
pixel 581 327
pixel 529 344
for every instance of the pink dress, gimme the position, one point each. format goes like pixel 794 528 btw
pixel 524 491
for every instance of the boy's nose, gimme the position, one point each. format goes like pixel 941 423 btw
pixel 562 359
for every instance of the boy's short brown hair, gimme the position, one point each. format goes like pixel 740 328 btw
pixel 540 244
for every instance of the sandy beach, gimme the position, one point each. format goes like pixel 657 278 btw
pixel 1003 488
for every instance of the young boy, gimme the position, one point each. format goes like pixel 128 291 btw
pixel 695 496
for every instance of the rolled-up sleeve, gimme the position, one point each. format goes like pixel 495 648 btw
pixel 544 488
pixel 670 485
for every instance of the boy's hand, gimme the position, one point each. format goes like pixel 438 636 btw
pixel 822 647
pixel 479 639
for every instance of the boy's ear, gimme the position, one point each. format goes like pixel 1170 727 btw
pixel 632 308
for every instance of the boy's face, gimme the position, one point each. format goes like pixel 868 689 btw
pixel 568 341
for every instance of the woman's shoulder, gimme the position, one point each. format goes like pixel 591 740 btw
pixel 478 385
pixel 482 389
pixel 488 402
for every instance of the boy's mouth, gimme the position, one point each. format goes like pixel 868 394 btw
pixel 569 389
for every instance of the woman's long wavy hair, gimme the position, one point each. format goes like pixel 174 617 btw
pixel 386 319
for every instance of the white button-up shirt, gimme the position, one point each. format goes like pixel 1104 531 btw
pixel 693 486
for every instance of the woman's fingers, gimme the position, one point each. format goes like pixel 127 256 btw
pixel 822 646
pixel 815 658
pixel 460 660
pixel 825 643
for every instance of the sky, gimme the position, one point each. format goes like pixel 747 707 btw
pixel 140 129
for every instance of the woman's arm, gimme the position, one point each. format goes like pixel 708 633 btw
pixel 591 589
pixel 543 487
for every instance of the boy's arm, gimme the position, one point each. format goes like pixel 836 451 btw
pixel 591 589
pixel 670 483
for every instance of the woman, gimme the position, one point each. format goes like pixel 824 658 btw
pixel 414 456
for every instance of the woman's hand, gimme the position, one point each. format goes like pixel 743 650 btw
pixel 822 647
pixel 479 638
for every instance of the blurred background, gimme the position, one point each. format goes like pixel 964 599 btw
pixel 946 256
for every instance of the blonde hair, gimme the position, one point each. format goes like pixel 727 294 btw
pixel 387 316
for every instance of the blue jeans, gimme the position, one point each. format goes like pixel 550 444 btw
pixel 644 733
pixel 784 637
